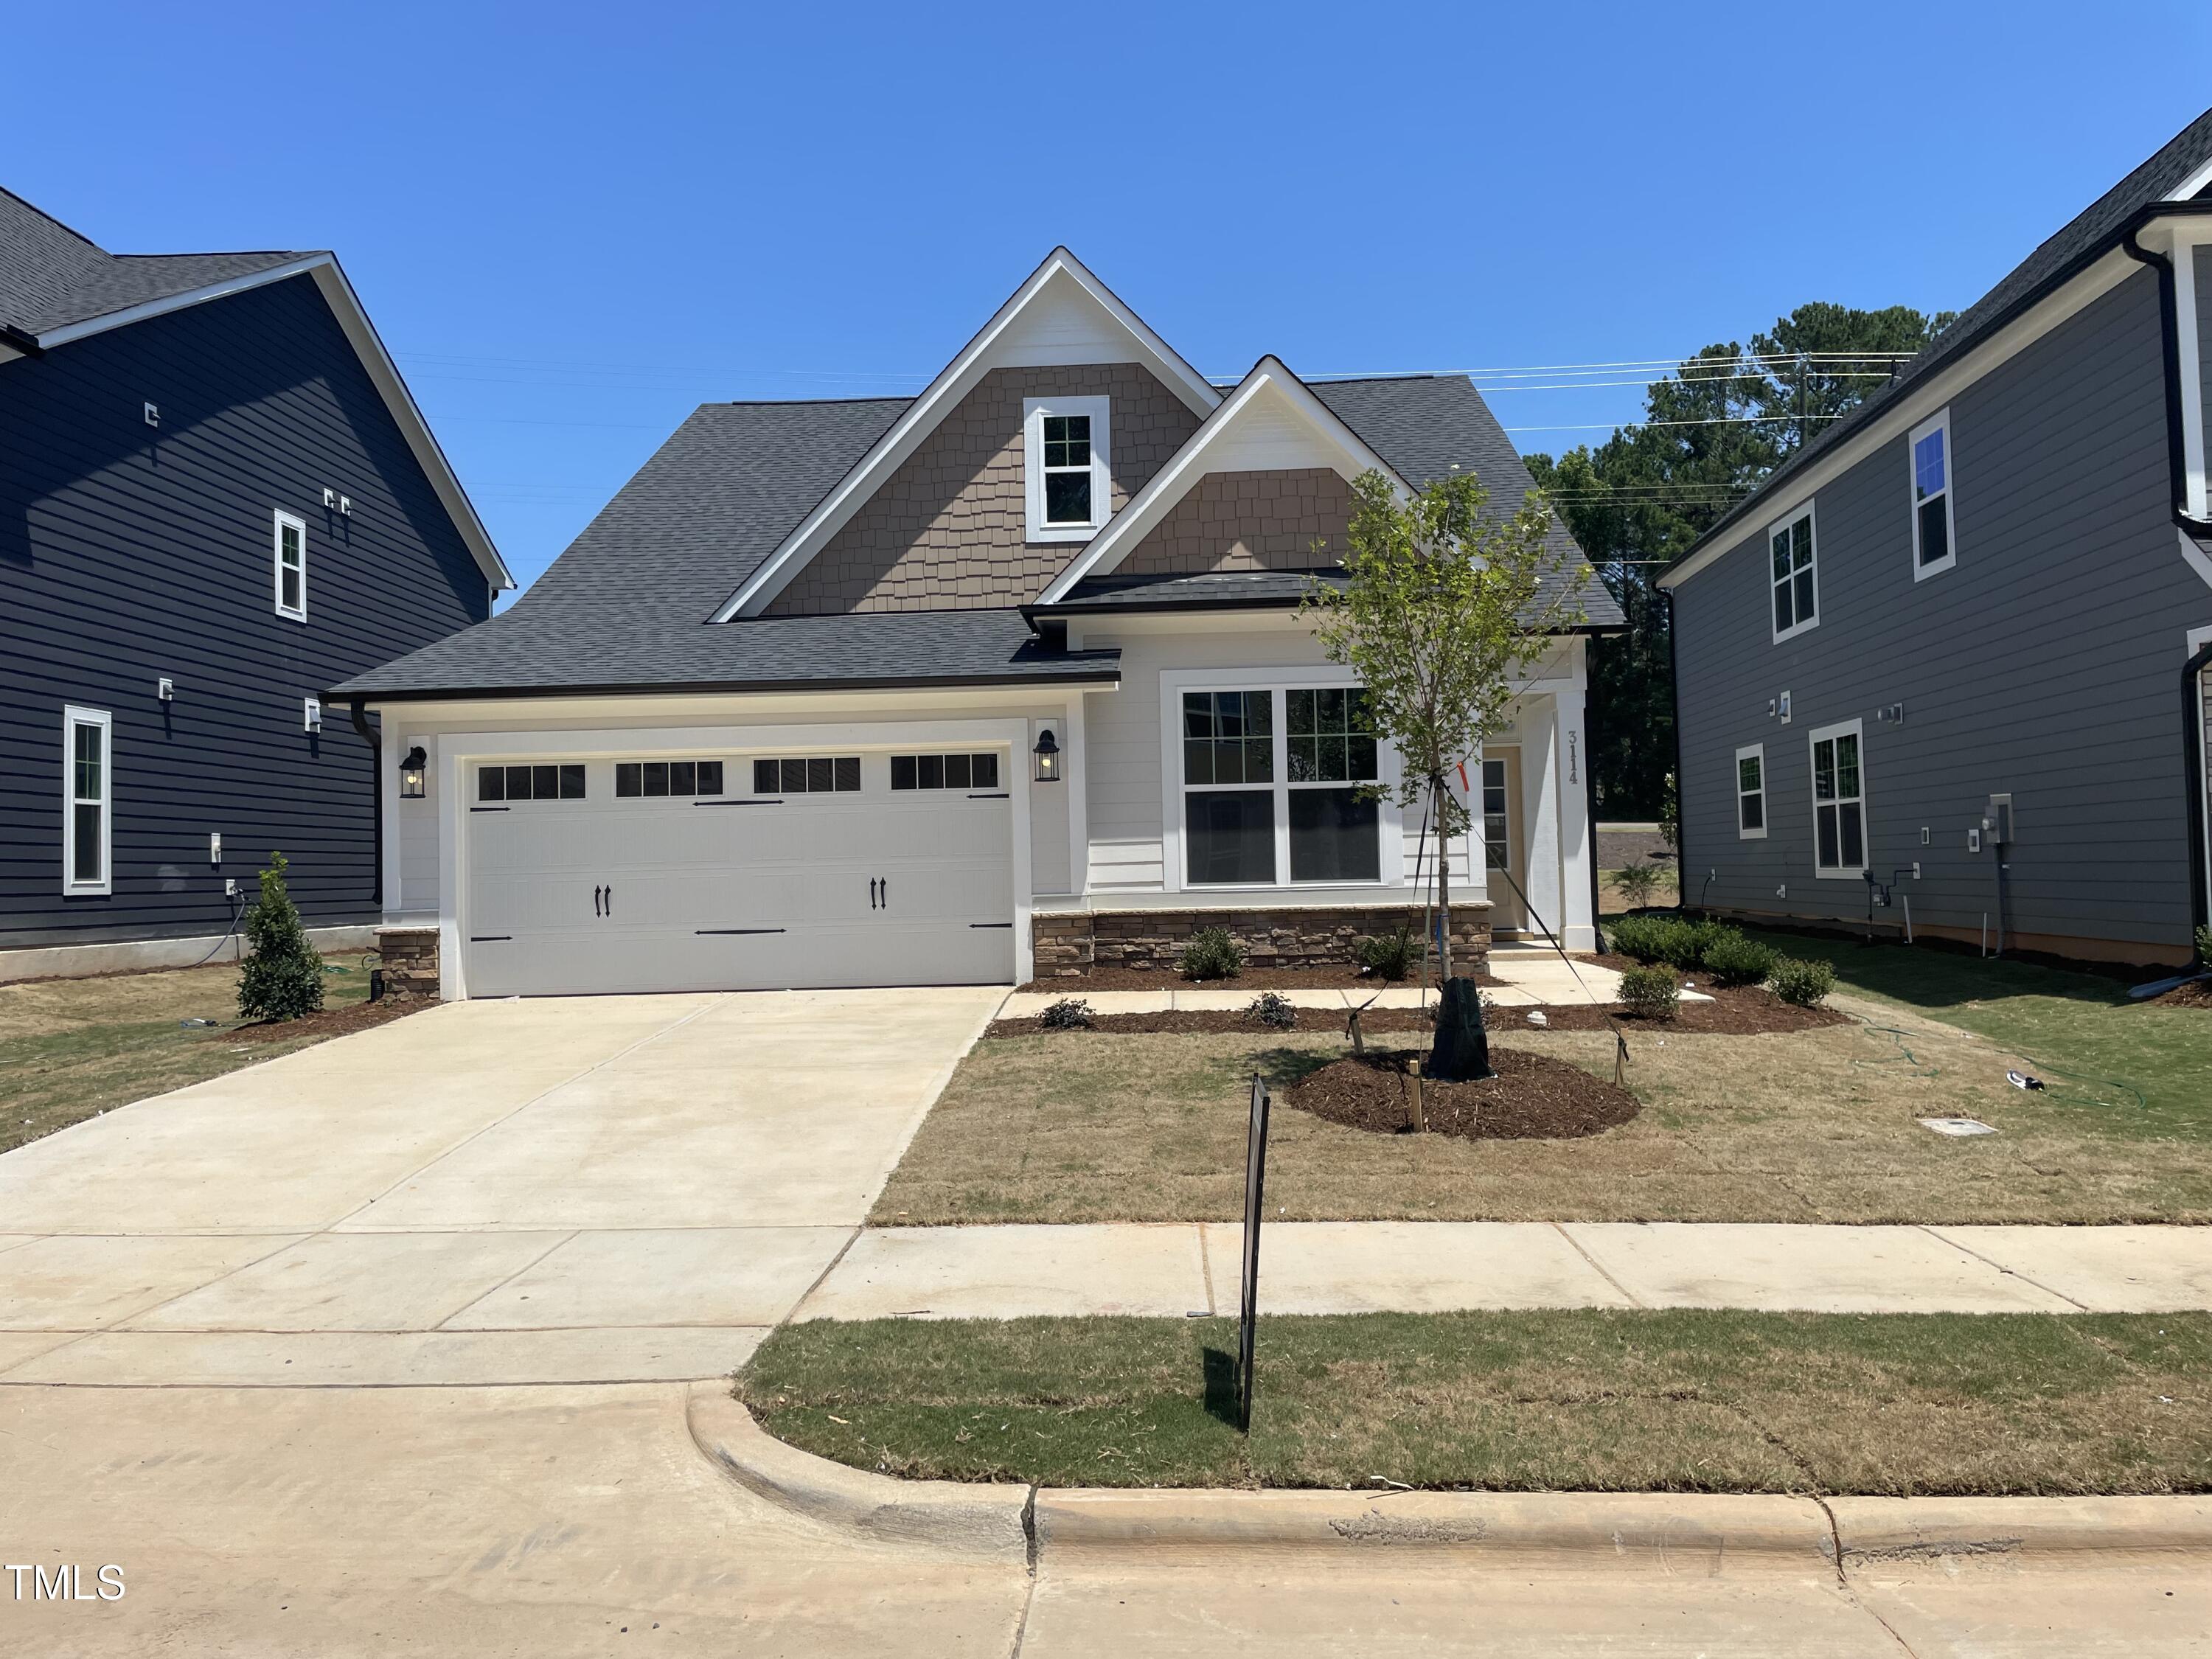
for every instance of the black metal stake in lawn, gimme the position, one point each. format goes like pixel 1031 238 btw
pixel 1255 1170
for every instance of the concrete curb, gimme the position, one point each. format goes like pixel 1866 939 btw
pixel 1666 1535
pixel 949 1515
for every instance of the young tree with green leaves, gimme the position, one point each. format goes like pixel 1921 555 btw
pixel 1445 602
pixel 283 978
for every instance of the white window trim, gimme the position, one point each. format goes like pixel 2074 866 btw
pixel 1812 741
pixel 277 564
pixel 1940 420
pixel 72 718
pixel 1389 820
pixel 1034 410
pixel 1753 751
pixel 1803 510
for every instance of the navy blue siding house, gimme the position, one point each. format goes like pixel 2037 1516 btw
pixel 217 498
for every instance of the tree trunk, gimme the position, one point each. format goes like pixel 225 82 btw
pixel 1462 1051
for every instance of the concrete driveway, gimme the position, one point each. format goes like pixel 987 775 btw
pixel 572 1190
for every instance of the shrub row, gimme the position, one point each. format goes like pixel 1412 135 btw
pixel 1723 953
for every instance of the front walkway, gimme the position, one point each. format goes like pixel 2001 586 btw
pixel 1435 1266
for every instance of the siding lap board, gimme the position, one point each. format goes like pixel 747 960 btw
pixel 130 553
pixel 2042 665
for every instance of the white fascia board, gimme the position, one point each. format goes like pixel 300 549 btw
pixel 345 304
pixel 1182 472
pixel 1929 396
pixel 619 712
pixel 2188 188
pixel 937 400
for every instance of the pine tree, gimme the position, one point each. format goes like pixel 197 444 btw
pixel 283 978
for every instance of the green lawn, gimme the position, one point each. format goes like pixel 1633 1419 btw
pixel 72 1047
pixel 1623 1401
pixel 2143 1069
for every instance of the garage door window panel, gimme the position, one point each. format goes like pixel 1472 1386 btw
pixel 968 771
pixel 530 783
pixel 817 775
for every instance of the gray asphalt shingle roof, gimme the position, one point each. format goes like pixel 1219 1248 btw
pixel 51 276
pixel 626 605
pixel 2087 234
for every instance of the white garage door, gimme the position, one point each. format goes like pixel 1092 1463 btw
pixel 738 873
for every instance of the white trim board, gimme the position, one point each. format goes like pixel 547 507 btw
pixel 1001 343
pixel 345 305
pixel 1269 388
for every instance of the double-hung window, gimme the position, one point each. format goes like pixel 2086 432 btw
pixel 1334 819
pixel 1934 549
pixel 1751 793
pixel 1795 579
pixel 1277 786
pixel 291 566
pixel 1838 801
pixel 87 804
pixel 1229 787
pixel 1067 479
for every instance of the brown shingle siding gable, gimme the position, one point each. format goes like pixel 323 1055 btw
pixel 945 531
pixel 1249 521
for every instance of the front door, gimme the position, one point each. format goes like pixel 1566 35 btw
pixel 1505 848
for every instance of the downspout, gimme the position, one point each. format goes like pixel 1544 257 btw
pixel 2200 836
pixel 2177 467
pixel 1682 783
pixel 375 741
pixel 2169 328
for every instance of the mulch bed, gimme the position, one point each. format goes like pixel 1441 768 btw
pixel 2197 994
pixel 1730 1013
pixel 1115 977
pixel 1741 1012
pixel 329 1023
pixel 1532 1098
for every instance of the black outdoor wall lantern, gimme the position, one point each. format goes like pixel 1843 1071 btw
pixel 1048 756
pixel 412 769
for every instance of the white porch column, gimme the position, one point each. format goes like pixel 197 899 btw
pixel 1542 758
pixel 1579 923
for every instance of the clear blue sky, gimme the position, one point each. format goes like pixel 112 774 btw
pixel 574 223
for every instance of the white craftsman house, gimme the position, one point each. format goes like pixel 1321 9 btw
pixel 1002 680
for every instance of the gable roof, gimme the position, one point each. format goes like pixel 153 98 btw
pixel 2181 168
pixel 57 285
pixel 1270 390
pixel 1061 315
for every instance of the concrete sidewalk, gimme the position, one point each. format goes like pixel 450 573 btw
pixel 1338 1267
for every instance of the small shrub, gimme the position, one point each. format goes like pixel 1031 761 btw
pixel 1644 938
pixel 1650 993
pixel 1803 982
pixel 1391 958
pixel 1069 1014
pixel 1689 941
pixel 2204 946
pixel 1732 959
pixel 1635 883
pixel 1273 1009
pixel 283 978
pixel 1211 954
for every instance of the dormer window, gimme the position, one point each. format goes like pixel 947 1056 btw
pixel 1064 445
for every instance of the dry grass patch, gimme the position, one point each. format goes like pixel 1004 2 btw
pixel 1680 1400
pixel 1807 1126
pixel 71 1049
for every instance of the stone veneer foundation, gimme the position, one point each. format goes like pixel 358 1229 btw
pixel 1070 942
pixel 411 961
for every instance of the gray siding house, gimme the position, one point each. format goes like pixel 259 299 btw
pixel 1947 667
pixel 216 499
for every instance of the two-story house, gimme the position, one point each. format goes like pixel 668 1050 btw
pixel 1006 679
pixel 217 498
pixel 1947 667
